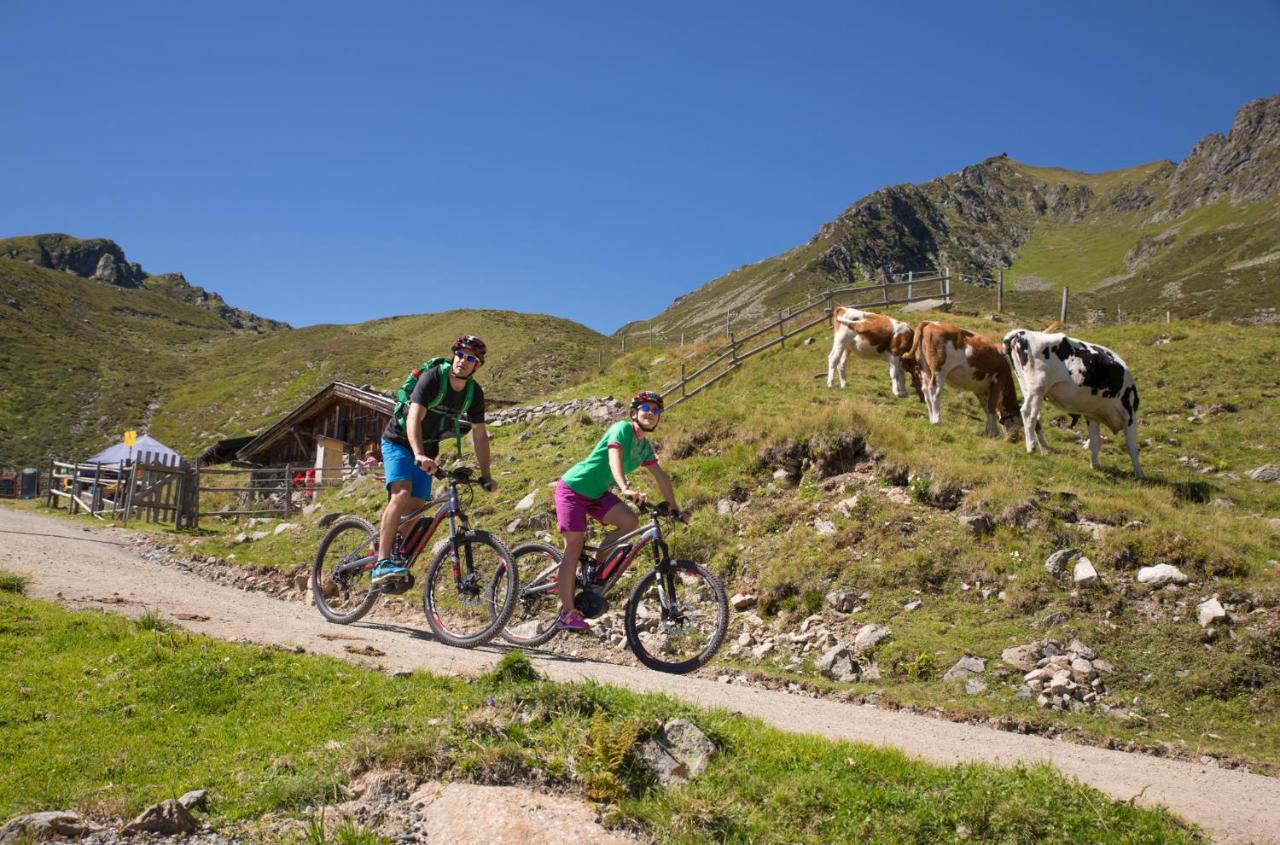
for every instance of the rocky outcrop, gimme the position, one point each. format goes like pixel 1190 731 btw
pixel 1244 165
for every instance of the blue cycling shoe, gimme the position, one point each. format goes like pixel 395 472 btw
pixel 387 570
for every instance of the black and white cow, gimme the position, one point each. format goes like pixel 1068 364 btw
pixel 1082 378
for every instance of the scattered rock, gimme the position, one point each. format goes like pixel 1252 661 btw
pixel 838 665
pixel 1056 564
pixel 168 817
pixel 1023 657
pixel 678 752
pixel 847 506
pixel 742 601
pixel 259 535
pixel 824 527
pixel 1161 574
pixel 979 524
pixel 37 827
pixel 868 637
pixel 196 799
pixel 1210 611
pixel 727 507
pixel 527 502
pixel 513 525
pixel 1084 575
pixel 912 605
pixel 1265 473
pixel 965 667
pixel 840 600
pixel 975 686
pixel 286 526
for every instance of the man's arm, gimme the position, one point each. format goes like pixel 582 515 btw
pixel 480 440
pixel 413 430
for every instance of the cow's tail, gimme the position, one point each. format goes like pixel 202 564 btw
pixel 1053 328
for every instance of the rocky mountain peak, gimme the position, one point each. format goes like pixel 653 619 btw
pixel 1245 164
pixel 96 258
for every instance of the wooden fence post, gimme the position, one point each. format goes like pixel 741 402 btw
pixel 1167 317
pixel 946 284
pixel 782 329
pixel 682 379
pixel 49 494
pixel 1000 294
pixel 733 351
pixel 910 279
pixel 288 471
pixel 1062 315
pixel 128 496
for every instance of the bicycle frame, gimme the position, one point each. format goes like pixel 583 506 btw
pixel 419 534
pixel 615 567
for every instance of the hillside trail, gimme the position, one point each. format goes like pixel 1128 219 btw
pixel 106 573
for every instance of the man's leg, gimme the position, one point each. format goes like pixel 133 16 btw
pixel 402 502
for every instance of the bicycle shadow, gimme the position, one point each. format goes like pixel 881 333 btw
pixel 495 646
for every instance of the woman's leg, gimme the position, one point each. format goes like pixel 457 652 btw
pixel 623 520
pixel 567 577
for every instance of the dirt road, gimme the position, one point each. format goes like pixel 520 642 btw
pixel 96 568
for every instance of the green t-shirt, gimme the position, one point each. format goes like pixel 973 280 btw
pixel 592 477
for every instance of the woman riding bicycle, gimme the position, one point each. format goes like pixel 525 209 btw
pixel 584 491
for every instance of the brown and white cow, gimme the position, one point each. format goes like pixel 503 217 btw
pixel 944 353
pixel 1082 378
pixel 868 335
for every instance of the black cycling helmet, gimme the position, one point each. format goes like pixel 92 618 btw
pixel 472 344
pixel 646 397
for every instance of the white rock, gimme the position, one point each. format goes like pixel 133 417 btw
pixel 1210 611
pixel 867 638
pixel 762 649
pixel 527 502
pixel 285 526
pixel 742 601
pixel 1084 574
pixel 912 605
pixel 824 527
pixel 1161 574
pixel 1022 656
pixel 965 667
pixel 847 506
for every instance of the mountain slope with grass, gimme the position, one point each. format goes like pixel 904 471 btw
pixel 1200 238
pixel 85 358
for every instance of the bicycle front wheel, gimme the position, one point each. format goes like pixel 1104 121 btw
pixel 340 581
pixel 677 617
pixel 466 598
pixel 535 617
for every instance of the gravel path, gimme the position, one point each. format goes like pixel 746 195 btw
pixel 1235 807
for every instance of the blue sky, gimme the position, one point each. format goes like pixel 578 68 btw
pixel 326 162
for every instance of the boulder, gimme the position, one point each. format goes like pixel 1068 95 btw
pixel 1084 575
pixel 1161 574
pixel 840 600
pixel 1265 473
pixel 742 601
pixel 979 524
pixel 868 637
pixel 38 827
pixel 1210 611
pixel 965 667
pixel 169 818
pixel 678 752
pixel 1023 657
pixel 196 799
pixel 838 665
pixel 1056 564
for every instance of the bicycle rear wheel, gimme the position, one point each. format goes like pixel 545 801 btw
pixel 676 619
pixel 340 581
pixel 466 599
pixel 536 613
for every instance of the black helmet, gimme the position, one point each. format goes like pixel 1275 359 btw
pixel 646 397
pixel 472 344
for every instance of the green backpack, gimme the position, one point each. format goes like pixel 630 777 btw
pixel 405 393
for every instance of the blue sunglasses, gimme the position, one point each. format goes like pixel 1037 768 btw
pixel 649 409
pixel 466 356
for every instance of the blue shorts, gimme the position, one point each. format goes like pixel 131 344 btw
pixel 398 463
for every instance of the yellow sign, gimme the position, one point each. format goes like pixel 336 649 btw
pixel 130 437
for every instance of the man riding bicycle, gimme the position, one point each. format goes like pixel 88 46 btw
pixel 584 491
pixel 443 394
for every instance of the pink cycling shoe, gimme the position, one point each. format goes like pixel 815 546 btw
pixel 571 620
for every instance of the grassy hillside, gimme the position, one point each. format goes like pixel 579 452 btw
pixel 241 385
pixel 83 360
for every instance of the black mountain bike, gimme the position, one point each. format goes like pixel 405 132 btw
pixel 466 596
pixel 676 615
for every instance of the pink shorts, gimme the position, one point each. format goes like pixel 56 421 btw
pixel 573 508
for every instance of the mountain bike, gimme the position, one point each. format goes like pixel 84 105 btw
pixel 676 615
pixel 465 599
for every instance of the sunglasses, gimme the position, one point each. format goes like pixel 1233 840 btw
pixel 649 409
pixel 469 358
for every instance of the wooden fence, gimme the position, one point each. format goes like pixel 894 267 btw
pixel 152 487
pixel 908 288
